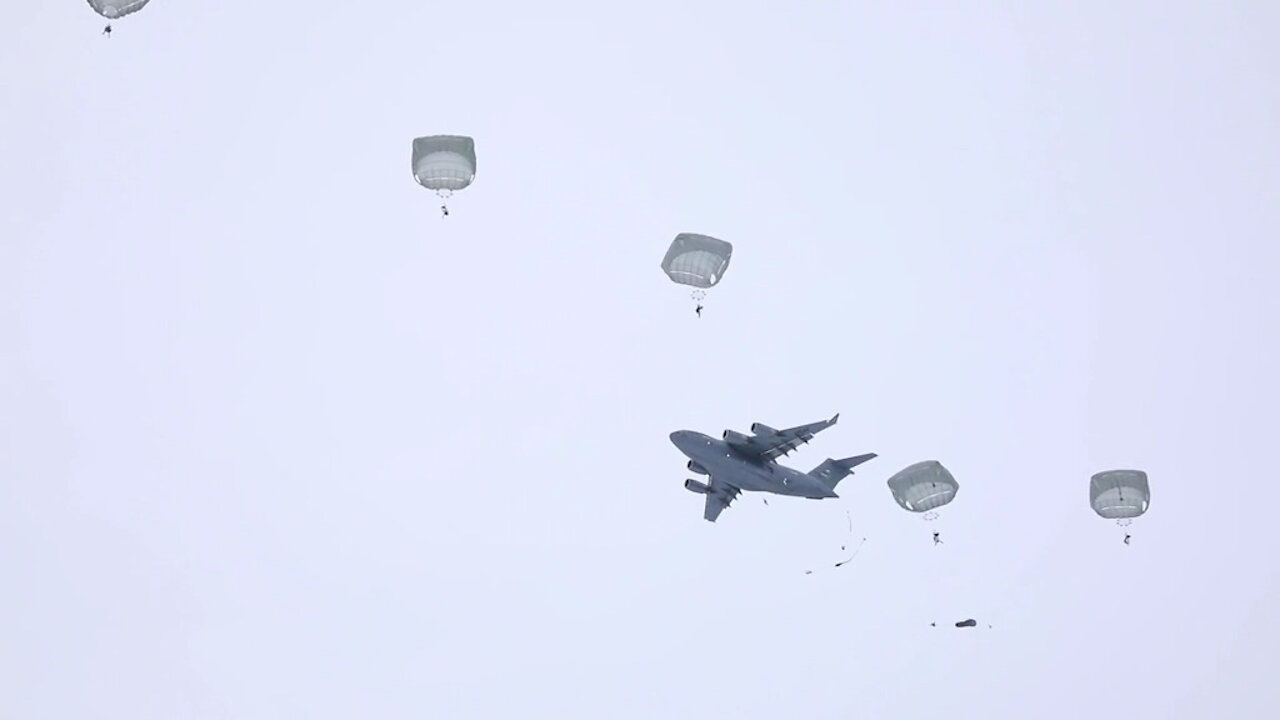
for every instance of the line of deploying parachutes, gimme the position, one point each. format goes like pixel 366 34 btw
pixel 447 163
pixel 926 487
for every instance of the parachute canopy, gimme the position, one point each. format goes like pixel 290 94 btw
pixel 697 260
pixel 112 9
pixel 1119 494
pixel 444 163
pixel 923 486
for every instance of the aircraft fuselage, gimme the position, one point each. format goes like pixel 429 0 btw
pixel 722 462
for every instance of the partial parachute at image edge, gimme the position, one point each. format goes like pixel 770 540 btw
pixel 116 9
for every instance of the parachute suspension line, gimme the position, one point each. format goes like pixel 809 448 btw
pixel 844 546
pixel 698 296
pixel 444 195
pixel 857 549
pixel 1124 523
pixel 936 590
pixel 849 521
pixel 937 534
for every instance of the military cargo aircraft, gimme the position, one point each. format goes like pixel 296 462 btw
pixel 738 462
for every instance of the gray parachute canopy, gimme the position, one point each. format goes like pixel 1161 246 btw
pixel 1119 494
pixel 923 486
pixel 444 163
pixel 113 9
pixel 697 260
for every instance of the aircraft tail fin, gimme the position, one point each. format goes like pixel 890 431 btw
pixel 832 471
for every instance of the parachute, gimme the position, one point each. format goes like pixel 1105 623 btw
pixel 1120 495
pixel 923 487
pixel 116 9
pixel 445 164
pixel 698 261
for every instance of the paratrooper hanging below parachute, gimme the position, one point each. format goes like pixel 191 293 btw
pixel 444 164
pixel 698 261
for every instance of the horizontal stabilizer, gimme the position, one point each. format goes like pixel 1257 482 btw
pixel 832 472
pixel 852 462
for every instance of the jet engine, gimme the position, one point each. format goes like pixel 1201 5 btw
pixel 695 486
pixel 735 437
pixel 762 429
pixel 695 467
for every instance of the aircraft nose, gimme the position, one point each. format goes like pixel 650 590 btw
pixel 678 437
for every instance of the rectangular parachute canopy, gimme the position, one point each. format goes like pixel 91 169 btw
pixel 923 486
pixel 697 260
pixel 444 162
pixel 1119 494
pixel 112 9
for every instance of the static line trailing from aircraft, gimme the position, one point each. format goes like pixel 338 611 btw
pixel 740 462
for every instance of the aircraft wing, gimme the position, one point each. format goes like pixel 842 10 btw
pixel 768 444
pixel 720 497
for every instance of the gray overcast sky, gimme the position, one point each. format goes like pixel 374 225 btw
pixel 277 441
